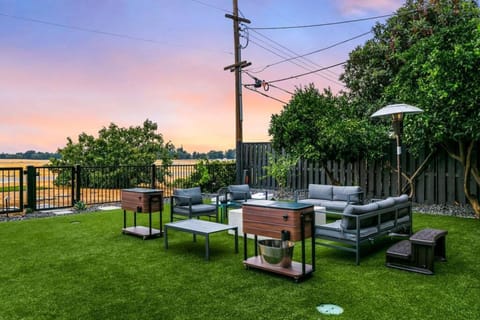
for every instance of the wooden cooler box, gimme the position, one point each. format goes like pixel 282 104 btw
pixel 139 199
pixel 277 219
pixel 270 218
pixel 142 200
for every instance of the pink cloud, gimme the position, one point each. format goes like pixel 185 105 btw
pixel 358 8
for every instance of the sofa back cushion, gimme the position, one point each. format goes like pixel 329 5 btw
pixel 195 193
pixel 401 200
pixel 386 204
pixel 350 222
pixel 341 193
pixel 320 191
pixel 240 191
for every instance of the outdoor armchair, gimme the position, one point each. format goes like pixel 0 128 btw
pixel 240 193
pixel 189 204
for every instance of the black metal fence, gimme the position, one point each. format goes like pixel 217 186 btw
pixel 43 188
pixel 11 190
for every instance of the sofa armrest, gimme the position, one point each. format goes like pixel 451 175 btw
pixel 245 196
pixel 359 194
pixel 173 200
pixel 300 194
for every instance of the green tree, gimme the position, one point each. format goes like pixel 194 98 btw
pixel 180 153
pixel 279 167
pixel 116 147
pixel 428 55
pixel 209 176
pixel 324 127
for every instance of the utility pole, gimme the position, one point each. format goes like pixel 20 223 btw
pixel 237 67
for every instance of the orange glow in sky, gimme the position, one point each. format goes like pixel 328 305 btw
pixel 69 67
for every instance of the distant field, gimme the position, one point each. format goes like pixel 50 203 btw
pixel 10 163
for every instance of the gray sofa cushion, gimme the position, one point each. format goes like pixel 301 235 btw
pixel 329 205
pixel 194 193
pixel 350 222
pixel 385 204
pixel 335 230
pixel 320 191
pixel 240 191
pixel 334 205
pixel 382 204
pixel 196 210
pixel 341 193
pixel 400 201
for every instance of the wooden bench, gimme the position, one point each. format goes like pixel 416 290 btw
pixel 418 253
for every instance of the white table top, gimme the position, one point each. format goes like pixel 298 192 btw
pixel 198 225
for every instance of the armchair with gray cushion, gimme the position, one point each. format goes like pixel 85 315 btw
pixel 240 193
pixel 189 204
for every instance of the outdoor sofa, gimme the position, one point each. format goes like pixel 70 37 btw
pixel 360 224
pixel 333 198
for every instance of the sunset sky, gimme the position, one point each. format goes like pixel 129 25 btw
pixel 70 66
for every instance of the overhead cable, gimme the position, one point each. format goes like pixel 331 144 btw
pixel 316 51
pixel 295 63
pixel 291 53
pixel 263 94
pixel 307 73
pixel 322 24
pixel 265 85
pixel 211 6
pixel 118 35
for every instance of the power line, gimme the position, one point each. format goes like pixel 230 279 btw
pixel 291 51
pixel 211 6
pixel 246 86
pixel 96 31
pixel 307 73
pixel 295 63
pixel 266 86
pixel 118 35
pixel 316 51
pixel 323 24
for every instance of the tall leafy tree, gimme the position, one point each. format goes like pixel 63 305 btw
pixel 114 146
pixel 323 127
pixel 431 59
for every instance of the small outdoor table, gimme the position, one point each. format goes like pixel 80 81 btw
pixel 200 227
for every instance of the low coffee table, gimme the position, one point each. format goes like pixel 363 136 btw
pixel 200 227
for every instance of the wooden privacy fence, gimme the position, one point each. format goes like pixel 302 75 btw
pixel 440 182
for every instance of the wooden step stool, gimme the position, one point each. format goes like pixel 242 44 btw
pixel 419 252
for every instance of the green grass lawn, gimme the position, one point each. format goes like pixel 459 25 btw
pixel 83 267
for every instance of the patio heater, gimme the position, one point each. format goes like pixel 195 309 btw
pixel 397 111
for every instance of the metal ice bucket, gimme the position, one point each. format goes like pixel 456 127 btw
pixel 276 252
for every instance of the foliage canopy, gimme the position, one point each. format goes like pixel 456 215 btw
pixel 115 148
pixel 323 127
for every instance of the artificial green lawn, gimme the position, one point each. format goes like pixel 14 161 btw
pixel 82 267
